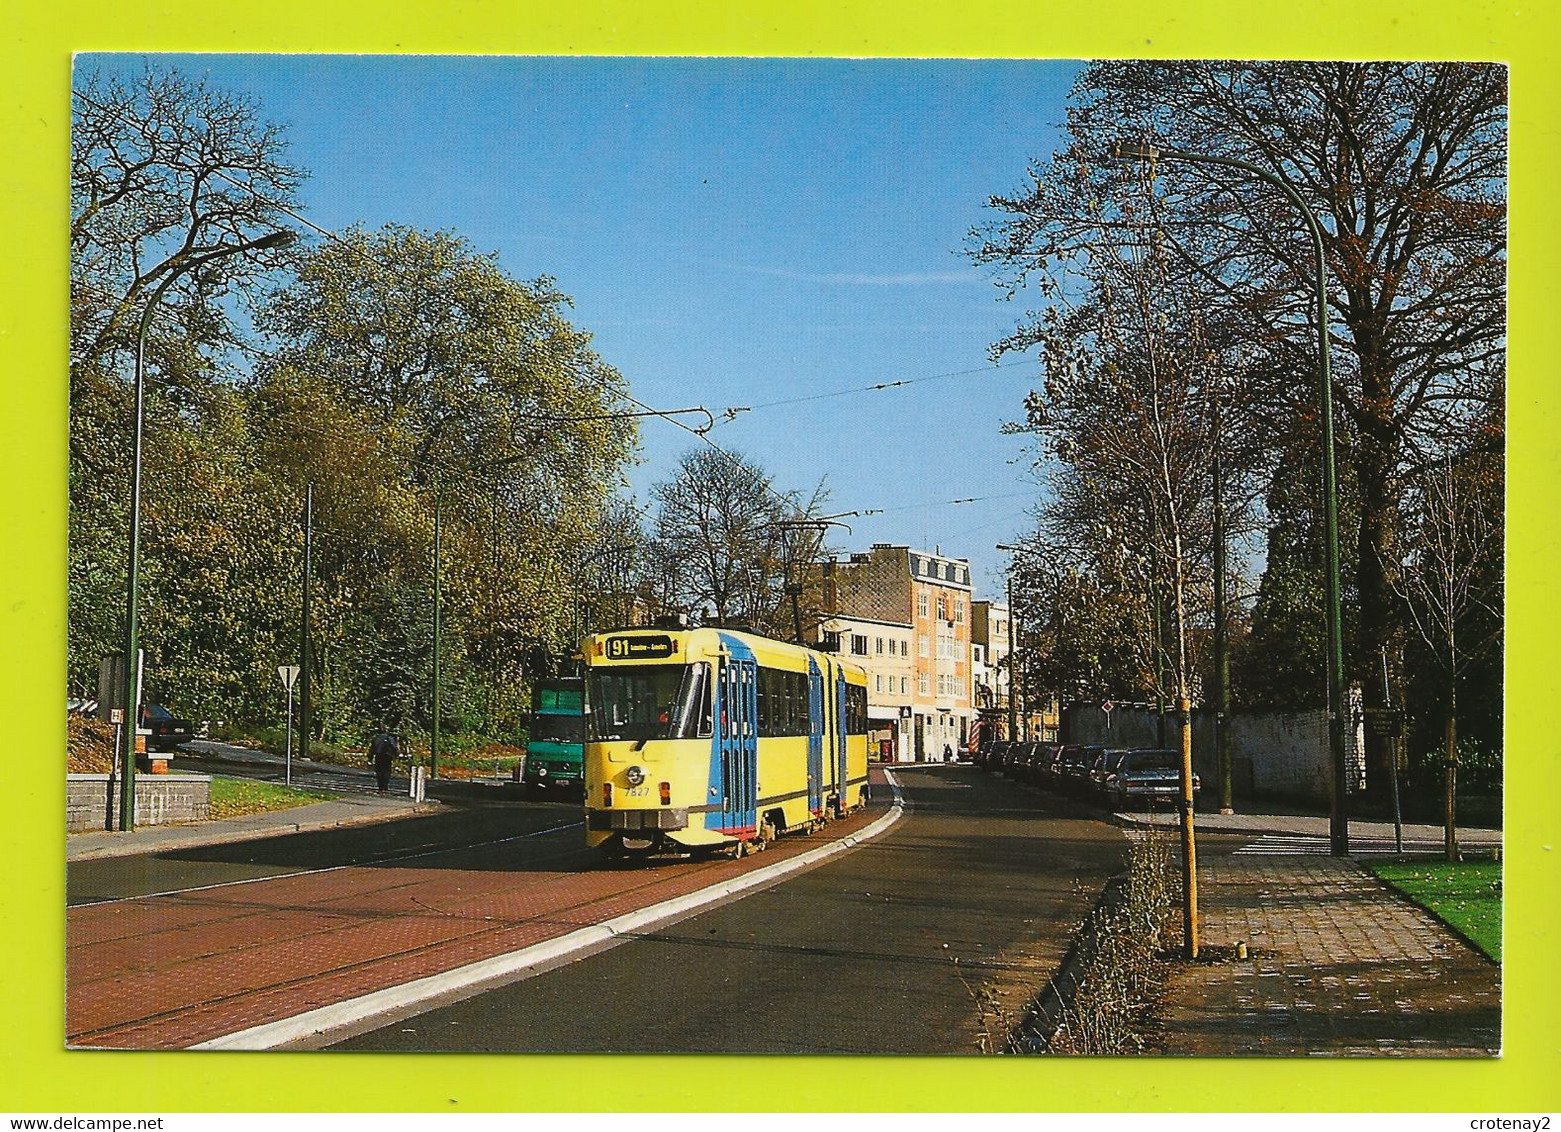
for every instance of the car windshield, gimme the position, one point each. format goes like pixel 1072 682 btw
pixel 558 728
pixel 648 701
pixel 1155 760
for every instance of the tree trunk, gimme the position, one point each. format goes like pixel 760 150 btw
pixel 1189 840
pixel 1376 550
pixel 1450 815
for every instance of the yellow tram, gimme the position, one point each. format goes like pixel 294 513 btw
pixel 703 738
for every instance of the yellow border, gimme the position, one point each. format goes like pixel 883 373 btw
pixel 35 60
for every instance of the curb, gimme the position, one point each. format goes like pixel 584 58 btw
pixel 282 828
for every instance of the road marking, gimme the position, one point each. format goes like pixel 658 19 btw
pixel 365 863
pixel 527 959
pixel 1313 844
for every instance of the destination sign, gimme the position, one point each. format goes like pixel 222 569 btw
pixel 640 648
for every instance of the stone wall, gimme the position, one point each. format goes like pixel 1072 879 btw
pixel 1279 755
pixel 92 800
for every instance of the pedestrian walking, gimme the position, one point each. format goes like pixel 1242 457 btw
pixel 948 753
pixel 383 751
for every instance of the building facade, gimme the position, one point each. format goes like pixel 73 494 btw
pixel 990 632
pixel 929 595
pixel 884 649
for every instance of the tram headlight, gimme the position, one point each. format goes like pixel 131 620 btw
pixel 634 776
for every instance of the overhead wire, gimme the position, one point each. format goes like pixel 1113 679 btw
pixel 700 433
pixel 731 413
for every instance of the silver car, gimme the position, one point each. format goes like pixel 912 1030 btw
pixel 1146 775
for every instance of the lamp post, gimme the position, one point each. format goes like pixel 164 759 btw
pixel 194 259
pixel 1339 835
pixel 1014 672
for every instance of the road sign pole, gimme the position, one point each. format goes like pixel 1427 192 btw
pixel 289 675
pixel 1398 818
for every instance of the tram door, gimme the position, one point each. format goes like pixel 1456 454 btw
pixel 816 730
pixel 840 739
pixel 739 745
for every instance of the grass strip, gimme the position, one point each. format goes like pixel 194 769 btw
pixel 1464 895
pixel 236 797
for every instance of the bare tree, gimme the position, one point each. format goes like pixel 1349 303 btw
pixel 726 540
pixel 1450 582
pixel 163 168
pixel 1126 409
pixel 1404 164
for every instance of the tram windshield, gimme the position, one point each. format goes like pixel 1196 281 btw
pixel 648 701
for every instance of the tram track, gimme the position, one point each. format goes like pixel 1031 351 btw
pixel 177 968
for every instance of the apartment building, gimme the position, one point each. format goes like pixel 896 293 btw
pixel 928 595
pixel 884 649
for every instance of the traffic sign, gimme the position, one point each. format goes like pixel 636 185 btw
pixel 288 673
pixel 1107 707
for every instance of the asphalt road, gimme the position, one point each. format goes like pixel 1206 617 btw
pixel 929 939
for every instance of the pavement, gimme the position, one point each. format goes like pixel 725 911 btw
pixel 1337 963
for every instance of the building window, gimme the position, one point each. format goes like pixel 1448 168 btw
pixel 943 607
pixel 959 610
pixel 858 644
pixel 831 641
pixel 921 644
pixel 921 604
pixel 905 685
pixel 921 684
pixel 878 645
pixel 878 681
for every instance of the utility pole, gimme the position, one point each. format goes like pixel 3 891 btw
pixel 304 661
pixel 1013 684
pixel 433 747
pixel 1221 626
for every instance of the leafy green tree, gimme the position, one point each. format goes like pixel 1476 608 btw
pixel 414 373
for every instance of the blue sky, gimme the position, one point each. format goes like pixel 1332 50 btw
pixel 733 233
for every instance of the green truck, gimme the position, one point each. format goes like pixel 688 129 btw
pixel 554 747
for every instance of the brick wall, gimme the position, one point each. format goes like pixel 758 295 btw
pixel 92 801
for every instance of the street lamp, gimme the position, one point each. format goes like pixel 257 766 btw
pixel 129 699
pixel 1339 830
pixel 1014 673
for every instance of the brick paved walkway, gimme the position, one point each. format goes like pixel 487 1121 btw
pixel 1339 966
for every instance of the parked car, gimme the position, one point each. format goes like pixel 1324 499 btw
pixel 1011 757
pixel 1106 764
pixel 1148 775
pixel 168 731
pixel 1036 761
pixel 990 757
pixel 1073 769
pixel 1050 773
pixel 1019 764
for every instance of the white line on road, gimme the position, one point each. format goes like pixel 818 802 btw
pixel 528 959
